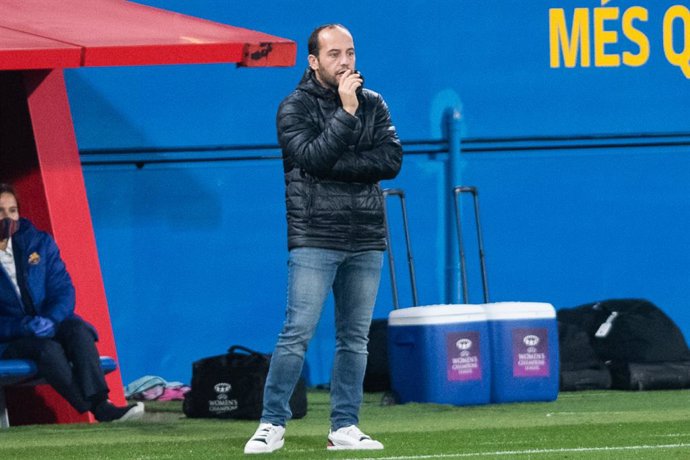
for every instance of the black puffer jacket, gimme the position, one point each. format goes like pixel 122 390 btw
pixel 333 162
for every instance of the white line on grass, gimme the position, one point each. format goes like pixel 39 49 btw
pixel 532 451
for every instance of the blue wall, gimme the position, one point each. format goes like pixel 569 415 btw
pixel 581 170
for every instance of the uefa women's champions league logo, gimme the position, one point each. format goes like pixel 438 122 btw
pixel 222 403
pixel 464 345
pixel 530 352
pixel 531 341
pixel 222 388
pixel 463 356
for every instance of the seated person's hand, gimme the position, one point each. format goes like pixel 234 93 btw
pixel 41 327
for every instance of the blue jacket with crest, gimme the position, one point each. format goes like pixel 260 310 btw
pixel 48 285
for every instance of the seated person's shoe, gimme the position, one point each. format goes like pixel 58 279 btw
pixel 107 412
pixel 351 438
pixel 267 438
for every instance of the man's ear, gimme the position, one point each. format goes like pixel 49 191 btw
pixel 313 62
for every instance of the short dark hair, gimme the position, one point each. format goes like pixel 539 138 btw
pixel 313 43
pixel 7 188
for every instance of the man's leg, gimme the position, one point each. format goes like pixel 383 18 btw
pixel 355 289
pixel 78 340
pixel 310 276
pixel 52 365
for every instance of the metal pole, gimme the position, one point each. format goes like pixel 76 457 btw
pixel 453 124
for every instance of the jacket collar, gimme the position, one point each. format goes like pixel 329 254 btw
pixel 25 228
pixel 311 85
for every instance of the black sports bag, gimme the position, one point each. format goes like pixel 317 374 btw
pixel 232 386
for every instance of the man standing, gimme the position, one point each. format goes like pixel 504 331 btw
pixel 338 142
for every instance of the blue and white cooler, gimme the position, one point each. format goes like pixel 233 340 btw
pixel 440 354
pixel 524 351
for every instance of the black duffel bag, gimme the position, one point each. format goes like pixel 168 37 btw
pixel 580 367
pixel 232 386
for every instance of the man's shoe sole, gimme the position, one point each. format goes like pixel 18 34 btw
pixel 135 413
pixel 279 445
pixel 332 447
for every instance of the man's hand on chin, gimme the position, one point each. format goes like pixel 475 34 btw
pixel 350 81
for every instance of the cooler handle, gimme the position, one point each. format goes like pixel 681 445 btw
pixel 391 258
pixel 457 191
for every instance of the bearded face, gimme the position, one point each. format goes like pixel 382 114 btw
pixel 336 55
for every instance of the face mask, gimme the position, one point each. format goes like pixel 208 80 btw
pixel 8 227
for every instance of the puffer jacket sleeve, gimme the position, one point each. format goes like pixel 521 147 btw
pixel 379 161
pixel 305 144
pixel 59 291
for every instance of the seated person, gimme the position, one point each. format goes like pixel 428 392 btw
pixel 37 319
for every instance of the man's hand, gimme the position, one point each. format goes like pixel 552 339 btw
pixel 347 87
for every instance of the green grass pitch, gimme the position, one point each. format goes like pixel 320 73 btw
pixel 582 425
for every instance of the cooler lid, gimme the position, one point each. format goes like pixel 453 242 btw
pixel 437 314
pixel 519 310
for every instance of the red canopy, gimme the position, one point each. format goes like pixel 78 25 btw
pixel 38 148
pixel 39 34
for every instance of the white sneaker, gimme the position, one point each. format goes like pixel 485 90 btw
pixel 351 438
pixel 267 438
pixel 134 412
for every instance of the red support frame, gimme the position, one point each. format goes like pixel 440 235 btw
pixel 38 149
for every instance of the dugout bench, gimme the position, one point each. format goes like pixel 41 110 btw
pixel 22 372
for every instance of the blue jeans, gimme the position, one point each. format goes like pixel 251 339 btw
pixel 312 273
